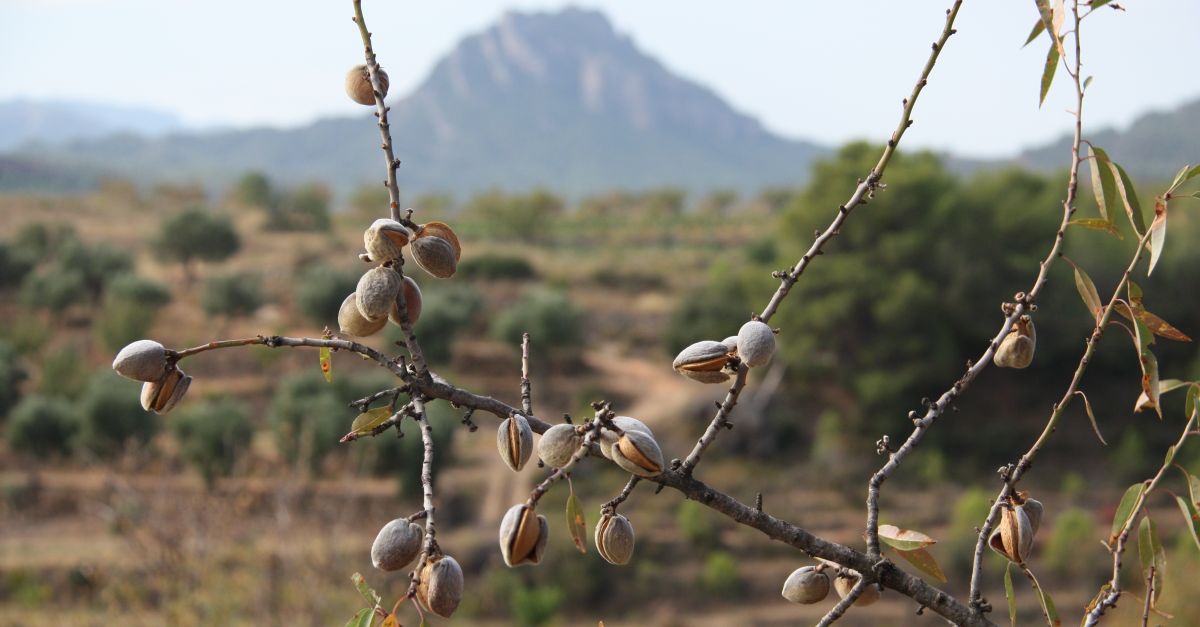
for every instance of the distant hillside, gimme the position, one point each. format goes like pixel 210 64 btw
pixel 1154 146
pixel 555 99
pixel 56 122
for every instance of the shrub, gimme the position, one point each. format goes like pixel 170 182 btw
pixel 15 263
pixel 99 265
pixel 1072 528
pixel 305 208
pixel 54 288
pixel 41 426
pixel 194 235
pixel 111 415
pixel 720 577
pixel 64 374
pixel 320 291
pixel 554 324
pixel 12 373
pixel 212 435
pixel 253 189
pixel 445 312
pixel 130 308
pixel 490 266
pixel 534 607
pixel 232 295
pixel 695 526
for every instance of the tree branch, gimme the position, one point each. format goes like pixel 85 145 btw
pixel 838 610
pixel 381 112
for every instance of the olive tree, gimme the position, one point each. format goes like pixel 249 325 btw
pixel 737 353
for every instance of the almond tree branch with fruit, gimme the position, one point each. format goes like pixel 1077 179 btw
pixel 436 582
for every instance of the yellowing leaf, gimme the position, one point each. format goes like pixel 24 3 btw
pixel 1158 233
pixel 1125 509
pixel 1099 225
pixel 365 422
pixel 1087 290
pixel 1048 72
pixel 1133 208
pixel 903 539
pixel 362 618
pixel 576 522
pixel 1087 405
pixel 924 561
pixel 327 363
pixel 391 621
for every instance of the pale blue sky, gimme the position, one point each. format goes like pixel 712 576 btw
pixel 827 71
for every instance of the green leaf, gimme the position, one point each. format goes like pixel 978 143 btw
pixel 1185 173
pixel 1010 594
pixel 1098 224
pixel 365 590
pixel 365 422
pixel 1191 519
pixel 1150 381
pixel 1087 81
pixel 1087 405
pixel 1193 485
pixel 1133 208
pixel 576 522
pixel 1048 72
pixel 1125 509
pixel 327 364
pixel 1151 553
pixel 363 618
pixel 1096 4
pixel 1048 609
pixel 1108 182
pixel 1087 291
pixel 903 539
pixel 1096 167
pixel 1164 386
pixel 1038 28
pixel 1158 233
pixel 1192 403
pixel 925 562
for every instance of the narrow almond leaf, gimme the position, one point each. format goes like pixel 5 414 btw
pixel 1193 485
pixel 1135 293
pixel 1047 15
pixel 1010 594
pixel 1096 4
pixel 1048 72
pixel 1108 181
pixel 1192 403
pixel 1125 509
pixel 1087 291
pixel 363 618
pixel 364 422
pixel 327 363
pixel 1150 382
pixel 1158 233
pixel 1151 553
pixel 1164 386
pixel 1185 173
pixel 1160 327
pixel 924 561
pixel 391 621
pixel 1057 16
pixel 1087 405
pixel 1038 28
pixel 1133 208
pixel 1098 224
pixel 1048 609
pixel 1191 519
pixel 1087 81
pixel 903 539
pixel 576 522
pixel 367 593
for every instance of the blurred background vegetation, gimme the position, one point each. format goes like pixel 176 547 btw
pixel 241 504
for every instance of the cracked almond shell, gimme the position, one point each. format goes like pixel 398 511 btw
pixel 703 361
pixel 806 585
pixel 755 343
pixel 440 588
pixel 352 322
pixel 435 256
pixel 608 438
pixel 523 535
pixel 358 84
pixel 412 300
pixel 638 453
pixel 1014 537
pixel 385 240
pixel 844 585
pixel 397 545
pixel 443 231
pixel 558 444
pixel 1017 348
pixel 143 360
pixel 163 395
pixel 614 539
pixel 376 292
pixel 514 439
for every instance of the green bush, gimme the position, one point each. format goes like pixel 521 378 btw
pixel 112 415
pixel 253 189
pixel 54 288
pixel 554 324
pixel 305 208
pixel 1073 528
pixel 41 426
pixel 720 576
pixel 64 374
pixel 445 312
pixel 196 235
pixel 232 295
pixel 534 607
pixel 212 435
pixel 131 306
pixel 956 550
pixel 493 266
pixel 695 525
pixel 15 263
pixel 99 265
pixel 12 374
pixel 320 291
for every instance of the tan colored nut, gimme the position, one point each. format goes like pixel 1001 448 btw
pixel 440 588
pixel 358 84
pixel 143 360
pixel 730 344
pixel 614 539
pixel 442 230
pixel 1016 351
pixel 397 545
pixel 755 343
pixel 161 396
pixel 523 534
pixel 514 439
pixel 608 438
pixel 1033 510
pixel 558 444
pixel 703 361
pixel 844 585
pixel 412 300
pixel 376 292
pixel 435 256
pixel 638 453
pixel 806 585
pixel 385 239
pixel 352 322
pixel 1019 522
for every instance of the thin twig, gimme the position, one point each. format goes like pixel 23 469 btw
pixel 429 545
pixel 526 388
pixel 838 610
pixel 611 506
pixel 718 422
pixel 1149 595
pixel 381 112
pixel 603 413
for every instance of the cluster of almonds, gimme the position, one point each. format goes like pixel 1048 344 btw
pixel 440 587
pixel 708 361
pixel 376 299
pixel 1016 350
pixel 163 383
pixel 523 535
pixel 810 584
pixel 1019 522
pixel 629 443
